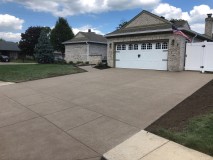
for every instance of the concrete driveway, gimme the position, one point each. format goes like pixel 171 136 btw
pixel 82 116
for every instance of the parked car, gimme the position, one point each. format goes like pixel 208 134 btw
pixel 4 58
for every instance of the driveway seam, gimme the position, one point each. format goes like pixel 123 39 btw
pixel 110 117
pixel 88 158
pixel 55 111
pixel 70 135
pixel 77 105
pixel 84 123
pixel 59 128
pixel 19 122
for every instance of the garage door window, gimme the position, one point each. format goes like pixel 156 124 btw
pixel 130 46
pixel 143 46
pixel 135 46
pixel 149 46
pixel 123 47
pixel 118 47
pixel 165 45
pixel 158 46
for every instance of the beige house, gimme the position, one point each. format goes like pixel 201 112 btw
pixel 147 42
pixel 86 47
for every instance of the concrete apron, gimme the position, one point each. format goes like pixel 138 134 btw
pixel 5 83
pixel 147 146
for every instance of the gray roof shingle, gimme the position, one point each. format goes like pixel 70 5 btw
pixel 161 28
pixel 8 46
pixel 87 37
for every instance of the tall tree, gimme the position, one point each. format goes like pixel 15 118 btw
pixel 123 23
pixel 28 40
pixel 44 49
pixel 1 39
pixel 61 33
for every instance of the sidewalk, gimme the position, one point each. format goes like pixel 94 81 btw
pixel 13 63
pixel 5 83
pixel 147 146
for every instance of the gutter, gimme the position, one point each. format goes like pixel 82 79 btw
pixel 65 43
pixel 140 32
pixel 156 31
pixel 198 34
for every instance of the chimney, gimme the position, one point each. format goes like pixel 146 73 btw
pixel 209 25
pixel 89 30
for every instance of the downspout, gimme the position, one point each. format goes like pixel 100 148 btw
pixel 87 51
pixel 194 38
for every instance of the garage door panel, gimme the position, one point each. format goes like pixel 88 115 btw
pixel 155 59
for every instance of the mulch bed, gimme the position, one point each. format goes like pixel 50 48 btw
pixel 199 103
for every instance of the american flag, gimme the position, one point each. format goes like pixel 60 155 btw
pixel 179 32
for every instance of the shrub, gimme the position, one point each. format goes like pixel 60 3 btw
pixel 44 50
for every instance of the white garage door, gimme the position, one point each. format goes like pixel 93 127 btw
pixel 142 56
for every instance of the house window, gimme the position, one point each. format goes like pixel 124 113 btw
pixel 123 47
pixel 135 46
pixel 165 45
pixel 149 46
pixel 118 47
pixel 143 46
pixel 130 46
pixel 158 46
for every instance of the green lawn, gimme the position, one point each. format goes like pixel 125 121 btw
pixel 197 135
pixel 21 61
pixel 21 73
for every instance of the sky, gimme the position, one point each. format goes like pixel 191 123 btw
pixel 102 16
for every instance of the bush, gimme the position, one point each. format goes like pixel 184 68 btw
pixel 60 61
pixel 44 50
pixel 71 62
pixel 45 59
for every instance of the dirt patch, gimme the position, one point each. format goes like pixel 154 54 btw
pixel 199 103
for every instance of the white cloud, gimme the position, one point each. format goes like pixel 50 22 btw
pixel 9 36
pixel 85 29
pixel 199 27
pixel 195 17
pixel 67 7
pixel 10 23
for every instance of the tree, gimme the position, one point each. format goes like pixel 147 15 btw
pixel 122 24
pixel 44 49
pixel 29 39
pixel 1 39
pixel 61 33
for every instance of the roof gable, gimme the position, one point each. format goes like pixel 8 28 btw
pixel 83 37
pixel 181 24
pixel 145 18
pixel 79 35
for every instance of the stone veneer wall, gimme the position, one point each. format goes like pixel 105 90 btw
pixel 95 59
pixel 76 52
pixel 176 49
pixel 98 50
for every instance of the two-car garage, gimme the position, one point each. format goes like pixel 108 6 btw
pixel 142 55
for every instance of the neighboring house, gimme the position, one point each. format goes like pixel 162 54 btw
pixel 86 47
pixel 147 42
pixel 9 49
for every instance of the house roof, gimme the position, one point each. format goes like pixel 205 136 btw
pixel 9 46
pixel 87 37
pixel 180 23
pixel 166 26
